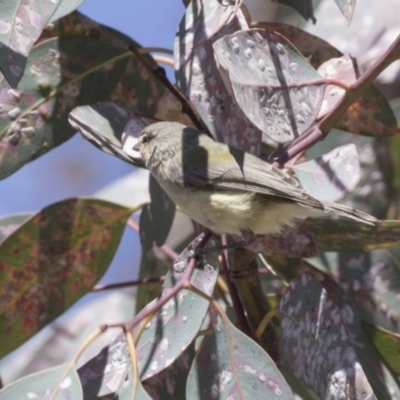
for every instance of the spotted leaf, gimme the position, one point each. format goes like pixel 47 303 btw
pixel 21 24
pixel 165 337
pixel 53 259
pixel 197 74
pixel 324 346
pixel 274 85
pixel 230 365
pixel 43 384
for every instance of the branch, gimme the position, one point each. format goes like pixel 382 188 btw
pixel 145 281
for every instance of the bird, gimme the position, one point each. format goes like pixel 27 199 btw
pixel 225 189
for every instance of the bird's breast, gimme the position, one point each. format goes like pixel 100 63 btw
pixel 233 212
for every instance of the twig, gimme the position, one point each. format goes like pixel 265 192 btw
pixel 132 352
pixel 145 281
pixel 184 283
pixel 99 331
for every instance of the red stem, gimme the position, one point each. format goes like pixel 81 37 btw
pixel 182 284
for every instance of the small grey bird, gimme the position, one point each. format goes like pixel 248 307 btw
pixel 225 189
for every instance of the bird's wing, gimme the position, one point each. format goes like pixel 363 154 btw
pixel 235 170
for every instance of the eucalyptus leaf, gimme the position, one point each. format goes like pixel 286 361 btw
pixel 323 344
pixel 42 384
pixel 274 85
pixel 51 260
pixel 197 75
pixel 231 365
pixel 21 25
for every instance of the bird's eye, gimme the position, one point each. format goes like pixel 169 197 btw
pixel 145 140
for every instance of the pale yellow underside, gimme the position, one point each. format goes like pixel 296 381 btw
pixel 233 212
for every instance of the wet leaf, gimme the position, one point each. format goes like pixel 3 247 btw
pixel 369 115
pixel 197 75
pixel 41 385
pixel 231 365
pixel 157 217
pixel 169 333
pixel 274 85
pixel 80 66
pixel 21 24
pixel 343 69
pixel 52 260
pixel 346 7
pixel 331 176
pixel 323 344
pixel 303 7
pixel 9 224
pixel 315 49
pixel 177 323
pixel 388 345
pixel 60 74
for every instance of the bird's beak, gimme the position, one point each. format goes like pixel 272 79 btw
pixel 136 147
pixel 131 147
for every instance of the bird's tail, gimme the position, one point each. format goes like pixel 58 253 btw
pixel 349 212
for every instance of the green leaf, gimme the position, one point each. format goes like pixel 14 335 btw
pixel 75 62
pixel 165 337
pixel 21 25
pixel 177 323
pixel 231 365
pixel 388 345
pixel 324 346
pixel 331 176
pixel 64 8
pixel 42 384
pixel 9 224
pixel 126 393
pixel 152 265
pixel 52 260
pixel 157 217
pixel 170 384
pixel 61 73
